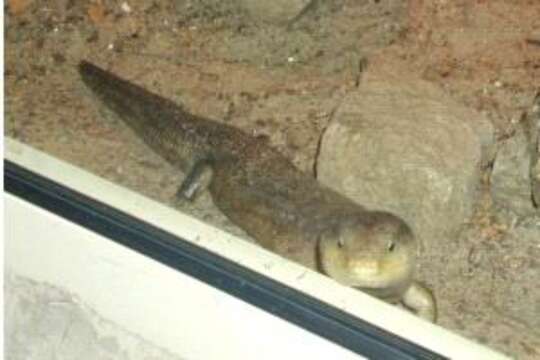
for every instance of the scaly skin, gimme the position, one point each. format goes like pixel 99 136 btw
pixel 284 209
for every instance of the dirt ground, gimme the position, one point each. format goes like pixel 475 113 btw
pixel 282 81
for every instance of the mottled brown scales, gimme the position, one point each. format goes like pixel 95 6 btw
pixel 261 191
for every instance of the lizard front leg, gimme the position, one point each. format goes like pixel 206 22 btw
pixel 197 180
pixel 421 301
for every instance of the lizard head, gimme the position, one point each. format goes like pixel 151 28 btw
pixel 373 251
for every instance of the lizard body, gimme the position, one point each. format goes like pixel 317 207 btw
pixel 260 190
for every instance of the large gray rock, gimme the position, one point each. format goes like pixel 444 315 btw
pixel 515 179
pixel 402 145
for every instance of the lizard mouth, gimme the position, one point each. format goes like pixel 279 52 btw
pixel 388 279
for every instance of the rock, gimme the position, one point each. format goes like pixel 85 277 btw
pixel 400 144
pixel 510 178
pixel 536 183
pixel 515 180
pixel 534 126
pixel 276 11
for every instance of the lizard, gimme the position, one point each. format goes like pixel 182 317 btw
pixel 285 210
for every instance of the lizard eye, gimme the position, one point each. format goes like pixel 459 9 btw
pixel 391 246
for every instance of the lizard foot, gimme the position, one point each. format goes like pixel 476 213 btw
pixel 421 301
